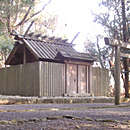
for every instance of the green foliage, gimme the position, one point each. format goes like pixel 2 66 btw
pixel 112 21
pixel 6 44
pixel 111 18
pixel 14 13
pixel 45 22
pixel 116 22
pixel 91 49
pixel 17 14
pixel 103 54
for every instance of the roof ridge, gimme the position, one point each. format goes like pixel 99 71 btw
pixel 50 40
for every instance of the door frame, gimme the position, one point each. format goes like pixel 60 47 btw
pixel 88 75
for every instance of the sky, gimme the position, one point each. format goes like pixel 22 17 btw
pixel 75 16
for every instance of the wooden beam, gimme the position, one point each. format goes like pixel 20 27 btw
pixel 125 55
pixel 28 28
pixel 117 44
pixel 114 42
pixel 24 55
pixel 79 63
pixel 36 55
pixel 111 42
pixel 7 62
pixel 117 75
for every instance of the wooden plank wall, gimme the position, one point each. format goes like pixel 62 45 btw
pixel 100 82
pixel 20 80
pixel 3 81
pixel 46 79
pixel 52 81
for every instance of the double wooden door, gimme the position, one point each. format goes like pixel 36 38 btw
pixel 77 79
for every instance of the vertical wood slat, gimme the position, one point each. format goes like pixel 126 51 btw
pixel 100 82
pixel 47 78
pixel 53 79
pixel 20 80
pixel 30 79
pixel 91 80
pixel 82 79
pixel 24 55
pixel 3 81
pixel 40 80
pixel 72 79
pixel 25 80
pixel 87 79
pixel 43 80
pixel 13 80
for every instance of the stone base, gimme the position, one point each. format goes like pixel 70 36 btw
pixel 72 98
pixel 78 95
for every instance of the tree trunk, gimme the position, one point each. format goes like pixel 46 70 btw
pixel 126 83
pixel 125 61
pixel 100 59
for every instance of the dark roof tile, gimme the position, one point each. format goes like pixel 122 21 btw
pixel 46 50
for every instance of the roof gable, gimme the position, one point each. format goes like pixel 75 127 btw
pixel 48 50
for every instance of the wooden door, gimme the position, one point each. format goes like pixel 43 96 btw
pixel 82 79
pixel 72 86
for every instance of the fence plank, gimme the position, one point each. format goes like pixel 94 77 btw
pixel 30 79
pixel 13 78
pixel 47 79
pixel 3 81
pixel 53 75
pixel 100 82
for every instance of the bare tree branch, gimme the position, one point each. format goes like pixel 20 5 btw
pixel 1 20
pixel 16 16
pixel 99 53
pixel 28 28
pixel 26 20
pixel 75 37
pixel 23 20
pixel 38 11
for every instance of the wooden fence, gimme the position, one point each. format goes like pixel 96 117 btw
pixel 52 79
pixel 100 82
pixel 20 80
pixel 46 79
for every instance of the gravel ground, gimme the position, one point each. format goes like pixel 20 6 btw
pixel 95 111
pixel 66 124
pixel 49 106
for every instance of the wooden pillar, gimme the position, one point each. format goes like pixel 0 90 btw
pixel 24 55
pixel 117 75
pixel 66 76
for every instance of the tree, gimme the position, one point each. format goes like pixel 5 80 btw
pixel 126 36
pixel 102 53
pixel 15 13
pixel 116 22
pixel 6 44
pixel 44 23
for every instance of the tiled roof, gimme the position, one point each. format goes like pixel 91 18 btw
pixel 76 55
pixel 54 50
pixel 47 50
